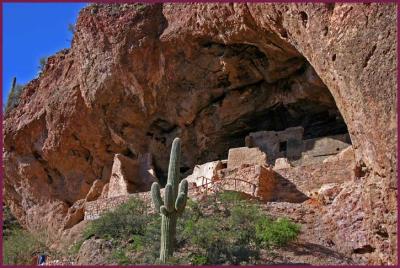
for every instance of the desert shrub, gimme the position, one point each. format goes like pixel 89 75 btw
pixel 120 256
pixel 19 247
pixel 229 197
pixel 235 231
pixel 225 236
pixel 74 249
pixel 198 259
pixel 10 223
pixel 134 232
pixel 276 233
pixel 223 229
pixel 128 219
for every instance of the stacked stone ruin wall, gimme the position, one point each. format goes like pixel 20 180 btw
pixel 310 177
pixel 96 208
pixel 253 180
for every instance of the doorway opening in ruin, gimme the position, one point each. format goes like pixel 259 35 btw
pixel 283 146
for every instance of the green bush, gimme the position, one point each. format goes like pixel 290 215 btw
pixel 19 247
pixel 120 257
pixel 131 229
pixel 9 222
pixel 230 197
pixel 235 230
pixel 225 236
pixel 198 259
pixel 128 219
pixel 223 229
pixel 74 249
pixel 276 233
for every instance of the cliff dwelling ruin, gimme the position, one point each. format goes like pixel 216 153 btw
pixel 281 107
pixel 248 95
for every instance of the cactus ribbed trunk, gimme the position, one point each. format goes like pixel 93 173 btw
pixel 174 202
pixel 11 96
pixel 168 226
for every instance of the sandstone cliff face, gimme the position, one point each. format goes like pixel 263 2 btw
pixel 138 76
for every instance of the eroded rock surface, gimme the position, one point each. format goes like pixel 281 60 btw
pixel 130 175
pixel 135 78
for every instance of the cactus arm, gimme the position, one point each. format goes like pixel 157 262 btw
pixel 169 198
pixel 180 203
pixel 174 166
pixel 164 211
pixel 156 196
pixel 183 186
pixel 182 197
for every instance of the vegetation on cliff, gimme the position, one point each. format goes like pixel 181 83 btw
pixel 19 245
pixel 222 229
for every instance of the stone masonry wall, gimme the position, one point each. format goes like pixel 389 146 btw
pixel 95 208
pixel 269 141
pixel 294 184
pixel 316 150
pixel 255 180
pixel 311 177
pixel 289 144
pixel 246 156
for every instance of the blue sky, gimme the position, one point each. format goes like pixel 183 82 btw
pixel 32 31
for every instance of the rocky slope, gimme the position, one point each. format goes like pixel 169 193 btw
pixel 137 76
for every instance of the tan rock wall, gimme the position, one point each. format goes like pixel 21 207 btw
pixel 246 156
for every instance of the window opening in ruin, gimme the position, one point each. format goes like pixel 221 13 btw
pixel 283 146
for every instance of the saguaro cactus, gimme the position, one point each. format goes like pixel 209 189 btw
pixel 174 202
pixel 11 96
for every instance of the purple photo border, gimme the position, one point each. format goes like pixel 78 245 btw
pixel 181 1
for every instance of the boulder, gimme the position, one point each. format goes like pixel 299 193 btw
pixel 328 192
pixel 94 252
pixel 204 173
pixel 130 176
pixel 282 163
pixel 95 191
pixel 345 154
